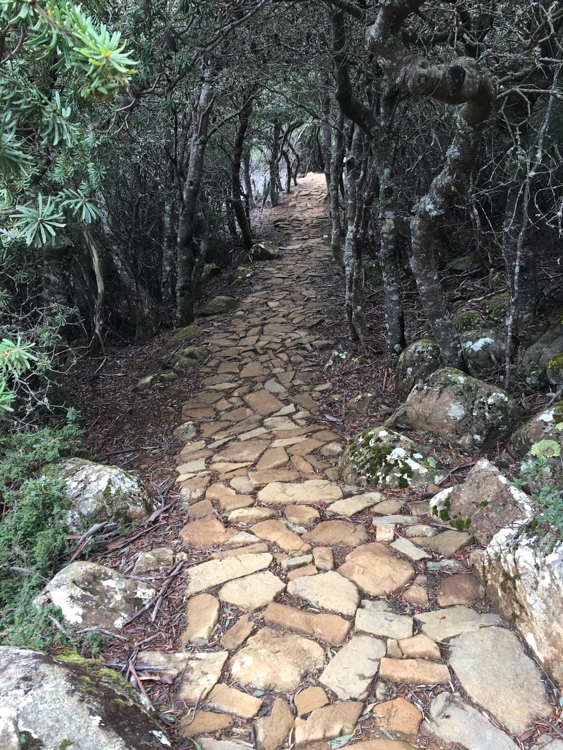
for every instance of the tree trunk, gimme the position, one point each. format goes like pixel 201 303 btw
pixel 57 260
pixel 525 299
pixel 275 184
pixel 247 180
pixel 168 256
pixel 188 209
pixel 201 254
pixel 97 342
pixel 336 166
pixel 237 202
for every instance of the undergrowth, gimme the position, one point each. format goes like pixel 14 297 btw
pixel 32 530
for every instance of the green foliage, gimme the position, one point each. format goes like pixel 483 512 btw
pixel 14 360
pixel 32 530
pixel 537 477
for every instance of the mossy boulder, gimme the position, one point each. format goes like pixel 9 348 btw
pixel 483 348
pixel 240 275
pixel 67 702
pixel 264 251
pixel 461 264
pixel 542 426
pixel 532 366
pixel 529 333
pixel 96 493
pixel 468 413
pixel 183 336
pixel 554 370
pixel 419 360
pixel 382 457
pixel 219 305
pixel 373 274
pixel 497 307
pixel 210 270
pixel 468 321
pixel 190 357
pixel 166 376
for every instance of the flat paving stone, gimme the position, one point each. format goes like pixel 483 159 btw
pixel 313 491
pixel 382 623
pixel 214 572
pixel 241 451
pixel 351 670
pixel 278 533
pixel 398 715
pixel 462 588
pixel 327 723
pixel 237 634
pixel 447 543
pixel 328 591
pixel 252 515
pixel 410 550
pixel 199 671
pixel 337 534
pixel 276 661
pixel 202 616
pixel 331 629
pixel 204 722
pixel 414 672
pixel 447 623
pixel 227 700
pixel 497 675
pixel 310 699
pixel 454 720
pixel 272 731
pixel 273 458
pixel 205 532
pixel 323 558
pixel 263 402
pixel 420 647
pixel 376 570
pixel 252 592
pixel 352 505
pixel 302 515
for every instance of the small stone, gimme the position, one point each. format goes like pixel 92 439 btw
pixel 447 543
pixel 250 549
pixel 302 515
pixel 291 563
pixel 227 700
pixel 446 623
pixel 421 530
pixel 202 616
pixel 278 533
pixel 397 520
pixel 416 594
pixel 273 458
pixel 337 533
pixel 410 550
pixel 234 502
pixel 308 570
pixel 204 722
pixel 351 505
pixel 323 557
pixel 214 572
pixel 414 672
pixel 263 402
pixel 253 591
pixel 332 450
pixel 462 588
pixel 376 570
pixel 243 537
pixel 309 700
pixel 398 715
pixel 201 509
pixel 454 720
pixel 386 624
pixel 387 507
pixel 157 559
pixel 385 533
pixel 205 532
pixel 238 633
pixel 350 672
pixel 199 670
pixel 327 590
pixel 273 730
pixel 393 649
pixel 311 492
pixel 276 661
pixel 252 515
pixel 329 628
pixel 420 647
pixel 241 451
pixel 327 723
pixel 274 387
pixel 242 484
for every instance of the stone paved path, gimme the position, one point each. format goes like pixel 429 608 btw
pixel 315 614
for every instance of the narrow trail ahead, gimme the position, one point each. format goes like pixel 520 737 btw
pixel 312 612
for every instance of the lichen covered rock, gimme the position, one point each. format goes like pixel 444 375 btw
pixel 240 274
pixel 210 270
pixel 468 321
pixel 263 251
pixel 554 370
pixel 183 336
pixel 166 376
pixel 532 366
pixel 483 348
pixel 190 356
pixel 71 702
pixel 91 595
pixel 96 493
pixel 379 456
pixel 522 570
pixel 497 307
pixel 219 305
pixel 465 411
pixel 541 436
pixel 419 360
pixel 483 505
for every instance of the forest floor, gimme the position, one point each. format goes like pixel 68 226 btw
pixel 257 634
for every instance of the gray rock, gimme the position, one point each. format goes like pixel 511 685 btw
pixel 98 493
pixel 532 366
pixel 497 675
pixel 447 623
pixel 419 360
pixel 219 305
pixel 166 376
pixel 468 413
pixel 181 337
pixel 483 348
pixel 69 701
pixel 264 251
pixel 91 595
pixel 454 720
pixel 386 624
pixel 350 672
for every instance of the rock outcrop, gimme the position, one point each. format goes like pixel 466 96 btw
pixel 419 360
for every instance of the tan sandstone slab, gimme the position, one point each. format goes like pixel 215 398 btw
pixel 272 731
pixel 337 534
pixel 273 458
pixel 327 723
pixel 199 671
pixel 420 647
pixel 241 451
pixel 462 588
pixel 350 672
pixel 312 491
pixel 310 699
pixel 414 672
pixel 323 557
pixel 238 633
pixel 253 591
pixel 278 533
pixel 227 700
pixel 202 616
pixel 331 629
pixel 447 543
pixel 349 506
pixel 327 590
pixel 204 722
pixel 205 532
pixel 252 515
pixel 248 549
pixel 201 509
pixel 276 661
pixel 214 572
pixel 451 621
pixel 398 715
pixel 376 570
pixel 302 515
pixel 263 402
